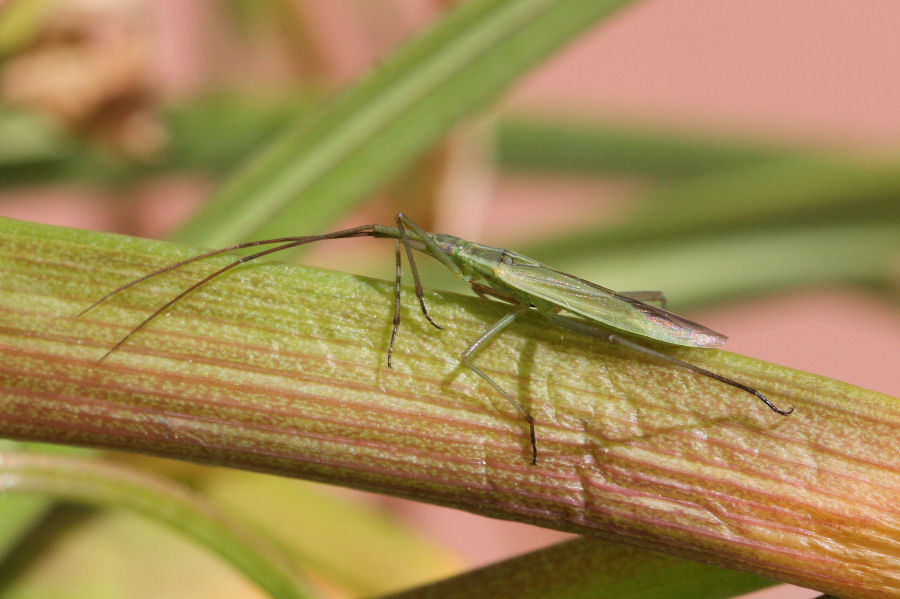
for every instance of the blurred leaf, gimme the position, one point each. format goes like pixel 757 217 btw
pixel 281 369
pixel 799 191
pixel 314 172
pixel 355 545
pixel 18 513
pixel 250 11
pixel 94 482
pixel 538 144
pixel 20 21
pixel 28 138
pixel 81 553
pixel 216 133
pixel 208 136
pixel 727 234
pixel 593 569
pixel 716 267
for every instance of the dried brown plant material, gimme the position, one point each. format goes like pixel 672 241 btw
pixel 89 68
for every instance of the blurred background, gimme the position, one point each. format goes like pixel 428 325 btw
pixel 742 157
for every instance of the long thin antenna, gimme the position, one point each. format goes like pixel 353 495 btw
pixel 286 243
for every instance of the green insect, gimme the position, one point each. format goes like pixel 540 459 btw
pixel 507 276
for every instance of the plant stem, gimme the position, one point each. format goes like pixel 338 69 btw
pixel 281 369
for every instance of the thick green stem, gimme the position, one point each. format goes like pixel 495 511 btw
pixel 282 369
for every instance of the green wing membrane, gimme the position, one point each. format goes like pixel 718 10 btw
pixel 602 305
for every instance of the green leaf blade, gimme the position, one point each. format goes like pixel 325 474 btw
pixel 92 482
pixel 315 171
pixel 593 569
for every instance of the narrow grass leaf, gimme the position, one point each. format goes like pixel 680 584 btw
pixel 316 170
pixel 91 481
pixel 592 569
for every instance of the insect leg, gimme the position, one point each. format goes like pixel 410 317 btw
pixel 412 265
pixel 475 346
pixel 484 291
pixel 647 296
pixel 593 331
pixel 613 338
pixel 431 247
pixel 397 281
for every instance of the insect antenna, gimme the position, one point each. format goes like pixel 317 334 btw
pixel 361 231
pixel 172 267
pixel 286 243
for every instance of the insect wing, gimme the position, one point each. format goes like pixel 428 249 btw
pixel 604 305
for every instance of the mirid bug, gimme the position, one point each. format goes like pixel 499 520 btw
pixel 504 275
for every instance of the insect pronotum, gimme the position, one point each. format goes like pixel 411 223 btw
pixel 504 275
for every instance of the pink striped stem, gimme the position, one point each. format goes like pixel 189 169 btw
pixel 281 369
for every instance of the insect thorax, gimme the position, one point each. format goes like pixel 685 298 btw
pixel 479 263
pixel 476 261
